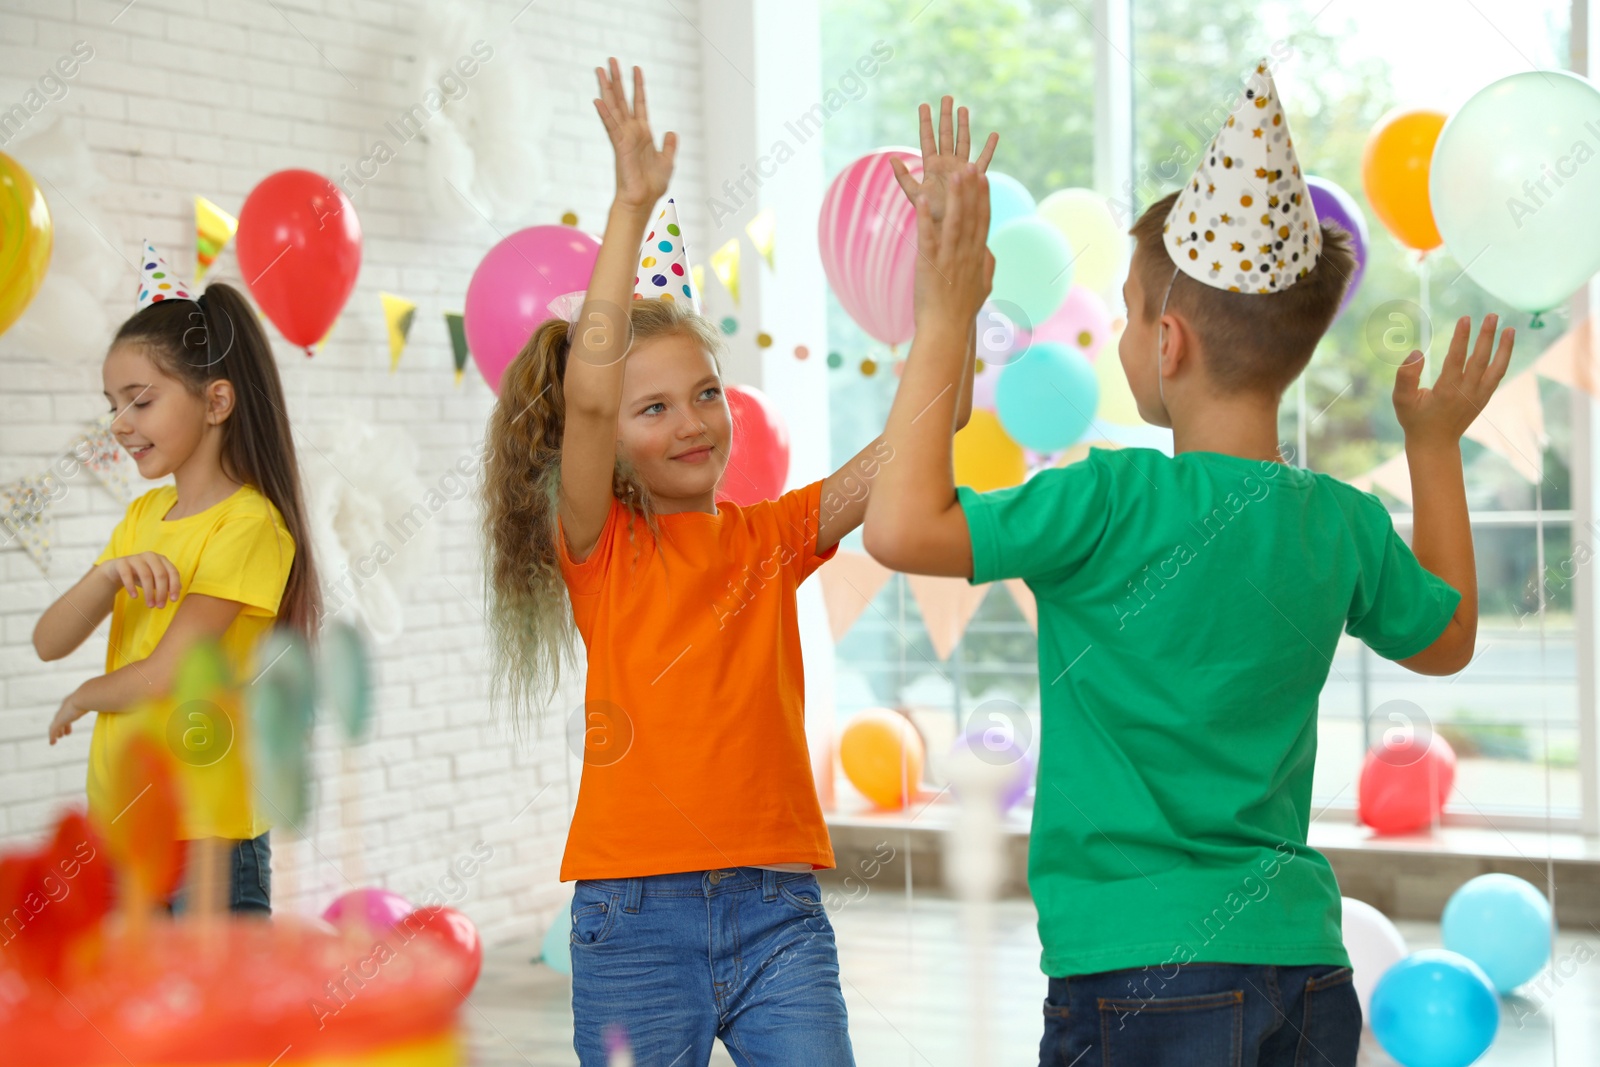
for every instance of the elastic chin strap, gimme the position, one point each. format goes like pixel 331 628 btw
pixel 1160 385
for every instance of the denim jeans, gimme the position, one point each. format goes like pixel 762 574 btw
pixel 675 960
pixel 249 878
pixel 1203 1015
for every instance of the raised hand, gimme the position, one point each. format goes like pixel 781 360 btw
pixel 955 269
pixel 1441 414
pixel 942 159
pixel 642 169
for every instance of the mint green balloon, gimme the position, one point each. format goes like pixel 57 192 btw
pixel 1032 267
pixel 1515 187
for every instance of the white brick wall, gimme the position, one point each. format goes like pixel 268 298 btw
pixel 208 97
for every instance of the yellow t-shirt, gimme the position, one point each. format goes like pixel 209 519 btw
pixel 238 549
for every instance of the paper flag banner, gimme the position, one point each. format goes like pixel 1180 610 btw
pixel 725 261
pixel 850 581
pixel 1571 361
pixel 947 605
pixel 25 515
pixel 1025 601
pixel 457 325
pixel 763 232
pixel 97 449
pixel 213 229
pixel 1512 424
pixel 398 313
pixel 1392 475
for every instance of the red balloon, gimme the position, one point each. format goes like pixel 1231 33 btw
pixel 454 933
pixel 299 248
pixel 1405 783
pixel 758 455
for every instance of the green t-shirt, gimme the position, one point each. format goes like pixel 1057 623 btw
pixel 1189 609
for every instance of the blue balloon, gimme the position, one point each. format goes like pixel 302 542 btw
pixel 1435 1008
pixel 1047 397
pixel 1502 924
pixel 1008 199
pixel 557 948
pixel 1032 267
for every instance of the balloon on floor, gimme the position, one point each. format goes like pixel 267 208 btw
pixel 1501 923
pixel 1374 945
pixel 1435 1009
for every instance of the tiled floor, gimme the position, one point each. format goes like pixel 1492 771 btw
pixel 911 1002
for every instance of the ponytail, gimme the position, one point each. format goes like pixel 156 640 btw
pixel 216 337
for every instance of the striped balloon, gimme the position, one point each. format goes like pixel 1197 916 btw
pixel 25 237
pixel 868 236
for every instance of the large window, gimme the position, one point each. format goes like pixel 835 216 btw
pixel 1028 70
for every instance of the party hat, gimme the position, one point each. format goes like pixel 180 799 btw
pixel 157 282
pixel 663 270
pixel 664 261
pixel 1245 221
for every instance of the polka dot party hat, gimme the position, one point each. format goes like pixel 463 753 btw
pixel 157 282
pixel 664 261
pixel 1245 221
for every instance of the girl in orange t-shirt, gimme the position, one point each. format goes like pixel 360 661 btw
pixel 695 915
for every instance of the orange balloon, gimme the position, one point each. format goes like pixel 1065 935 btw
pixel 882 755
pixel 986 458
pixel 1394 174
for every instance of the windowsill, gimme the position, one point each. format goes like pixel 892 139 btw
pixel 937 815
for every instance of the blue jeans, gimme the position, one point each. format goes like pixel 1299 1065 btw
pixel 1203 1015
pixel 676 960
pixel 249 878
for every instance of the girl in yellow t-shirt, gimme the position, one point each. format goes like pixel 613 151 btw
pixel 222 553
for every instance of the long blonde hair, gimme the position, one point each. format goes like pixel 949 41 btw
pixel 530 620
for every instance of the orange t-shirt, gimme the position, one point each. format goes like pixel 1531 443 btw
pixel 694 743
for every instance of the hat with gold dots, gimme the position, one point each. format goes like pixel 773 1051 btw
pixel 157 282
pixel 1245 221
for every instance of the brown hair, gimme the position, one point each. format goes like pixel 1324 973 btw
pixel 530 622
pixel 1254 342
pixel 223 339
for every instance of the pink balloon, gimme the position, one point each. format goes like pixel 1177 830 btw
pixel 377 909
pixel 758 456
pixel 511 290
pixel 1082 321
pixel 868 237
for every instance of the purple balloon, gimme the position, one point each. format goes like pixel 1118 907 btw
pixel 1333 204
pixel 1007 752
pixel 510 292
pixel 377 909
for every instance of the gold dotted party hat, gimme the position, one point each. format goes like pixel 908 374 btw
pixel 1245 221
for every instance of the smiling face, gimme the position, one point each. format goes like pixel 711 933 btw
pixel 158 420
pixel 674 426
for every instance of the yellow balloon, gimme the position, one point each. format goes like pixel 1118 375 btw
pixel 1098 243
pixel 1116 399
pixel 986 456
pixel 1394 173
pixel 25 238
pixel 882 754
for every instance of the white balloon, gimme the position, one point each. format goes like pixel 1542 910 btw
pixel 1374 946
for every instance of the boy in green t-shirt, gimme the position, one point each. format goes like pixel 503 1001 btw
pixel 1189 608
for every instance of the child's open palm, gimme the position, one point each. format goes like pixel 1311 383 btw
pixel 642 169
pixel 941 159
pixel 1443 412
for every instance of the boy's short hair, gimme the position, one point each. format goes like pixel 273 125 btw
pixel 1254 342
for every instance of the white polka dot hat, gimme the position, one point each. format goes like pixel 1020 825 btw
pixel 157 283
pixel 1245 221
pixel 664 261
